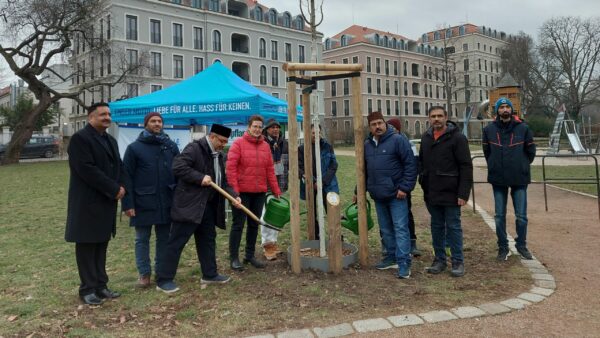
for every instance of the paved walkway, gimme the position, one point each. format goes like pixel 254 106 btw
pixel 566 303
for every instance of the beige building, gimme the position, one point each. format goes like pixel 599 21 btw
pixel 398 79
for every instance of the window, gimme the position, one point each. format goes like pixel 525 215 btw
pixel 288 52
pixel 395 67
pixel 346 87
pixel 492 78
pixel 333 108
pixel 156 64
pixel 132 61
pixel 93 67
pixel 415 69
pixel 386 64
pixel 368 64
pixel 424 72
pixel 155 34
pixel 198 40
pixel 377 65
pixel 417 127
pixel 437 92
pixel 108 28
pixel 216 41
pixel 213 5
pixel 416 108
pixel 430 91
pixel 378 86
pixel 131 31
pixel 301 55
pixel 396 108
pixel 101 64
pixel 346 107
pixel 405 89
pixel 486 80
pixel 425 90
pixel 378 105
pixel 274 76
pixel 480 82
pixel 388 107
pixel 404 71
pixel 465 47
pixel 415 89
pixel 177 35
pixel 345 61
pixel 485 65
pixel 387 87
pixel 155 88
pixel 481 95
pixel 333 88
pixel 258 14
pixel 369 86
pixel 274 55
pixel 263 76
pixel 369 105
pixel 287 20
pixel 406 113
pixel 396 88
pixel 299 23
pixel 262 48
pixel 178 66
pixel 196 3
pixel 132 89
pixel 198 65
pixel 272 17
pixel 108 62
pixel 355 59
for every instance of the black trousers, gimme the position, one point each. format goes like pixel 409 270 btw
pixel 411 218
pixel 205 237
pixel 91 263
pixel 254 202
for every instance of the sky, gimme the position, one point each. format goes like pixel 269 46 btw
pixel 411 18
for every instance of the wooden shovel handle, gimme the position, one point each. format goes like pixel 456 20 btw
pixel 233 200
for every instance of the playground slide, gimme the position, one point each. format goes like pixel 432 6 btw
pixel 576 143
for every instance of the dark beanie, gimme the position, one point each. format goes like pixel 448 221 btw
pixel 220 130
pixel 395 122
pixel 271 123
pixel 376 115
pixel 151 115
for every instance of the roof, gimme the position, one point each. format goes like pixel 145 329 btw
pixel 4 91
pixel 469 29
pixel 507 81
pixel 359 32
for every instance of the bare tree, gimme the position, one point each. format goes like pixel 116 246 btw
pixel 570 48
pixel 40 33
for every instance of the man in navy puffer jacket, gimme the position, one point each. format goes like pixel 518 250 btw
pixel 391 172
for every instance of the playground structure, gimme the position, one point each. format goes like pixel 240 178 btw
pixel 296 76
pixel 570 129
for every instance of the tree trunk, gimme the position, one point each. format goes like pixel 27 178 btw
pixel 24 130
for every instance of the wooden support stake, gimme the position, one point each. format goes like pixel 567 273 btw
pixel 335 233
pixel 308 168
pixel 363 239
pixel 294 182
pixel 352 67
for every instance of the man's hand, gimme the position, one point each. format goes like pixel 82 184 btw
pixel 238 203
pixel 206 181
pixel 121 193
pixel 461 202
pixel 130 213
pixel 400 195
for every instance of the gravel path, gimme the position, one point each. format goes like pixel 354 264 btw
pixel 566 239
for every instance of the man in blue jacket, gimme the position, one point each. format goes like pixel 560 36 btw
pixel 391 172
pixel 148 162
pixel 509 150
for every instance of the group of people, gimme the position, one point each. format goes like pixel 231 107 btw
pixel 173 192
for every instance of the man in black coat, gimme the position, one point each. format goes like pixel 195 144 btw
pixel 446 178
pixel 197 207
pixel 96 185
pixel 148 163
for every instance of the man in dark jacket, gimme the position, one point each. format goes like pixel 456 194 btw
pixel 96 184
pixel 148 163
pixel 391 173
pixel 197 207
pixel 446 178
pixel 280 153
pixel 509 150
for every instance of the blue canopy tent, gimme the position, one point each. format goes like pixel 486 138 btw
pixel 215 95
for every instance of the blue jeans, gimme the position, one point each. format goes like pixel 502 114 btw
pixel 142 246
pixel 393 225
pixel 519 199
pixel 445 226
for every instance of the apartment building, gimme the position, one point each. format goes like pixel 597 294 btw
pixel 177 39
pixel 398 79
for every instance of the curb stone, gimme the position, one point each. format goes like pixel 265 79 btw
pixel 544 286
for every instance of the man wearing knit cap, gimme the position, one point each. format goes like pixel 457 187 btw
pixel 414 250
pixel 197 207
pixel 147 202
pixel 509 150
pixel 391 173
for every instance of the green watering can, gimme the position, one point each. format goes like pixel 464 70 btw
pixel 350 217
pixel 277 211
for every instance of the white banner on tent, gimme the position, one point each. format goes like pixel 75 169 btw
pixel 128 134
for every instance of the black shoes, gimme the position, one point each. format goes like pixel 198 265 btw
pixel 458 269
pixel 254 262
pixel 236 265
pixel 437 267
pixel 503 254
pixel 107 294
pixel 91 299
pixel 525 254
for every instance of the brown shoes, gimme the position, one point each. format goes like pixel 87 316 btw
pixel 271 250
pixel 144 281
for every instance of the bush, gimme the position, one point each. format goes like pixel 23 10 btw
pixel 541 126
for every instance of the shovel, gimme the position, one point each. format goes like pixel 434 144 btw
pixel 244 209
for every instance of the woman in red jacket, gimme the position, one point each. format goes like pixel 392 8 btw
pixel 249 168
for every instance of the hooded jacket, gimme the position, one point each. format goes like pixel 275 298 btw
pixel 446 168
pixel 509 150
pixel 250 166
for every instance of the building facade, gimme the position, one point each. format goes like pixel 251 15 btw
pixel 174 40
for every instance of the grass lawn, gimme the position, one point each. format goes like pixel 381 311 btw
pixel 39 281
pixel 587 172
